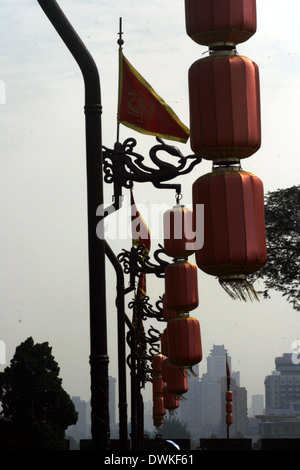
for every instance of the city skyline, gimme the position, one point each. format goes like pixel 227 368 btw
pixel 44 275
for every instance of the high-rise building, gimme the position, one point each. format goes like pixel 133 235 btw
pixel 112 402
pixel 257 405
pixel 189 407
pixel 79 430
pixel 282 388
pixel 203 407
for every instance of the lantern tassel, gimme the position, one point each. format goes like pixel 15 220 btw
pixel 181 397
pixel 238 287
pixel 190 372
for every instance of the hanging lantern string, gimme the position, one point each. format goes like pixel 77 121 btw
pixel 178 197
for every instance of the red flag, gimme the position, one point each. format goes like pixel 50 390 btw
pixel 227 368
pixel 227 373
pixel 140 236
pixel 140 230
pixel 141 109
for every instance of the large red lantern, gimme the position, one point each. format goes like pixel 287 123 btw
pixel 234 227
pixel 211 22
pixel 167 312
pixel 176 379
pixel 164 342
pixel 179 241
pixel 225 117
pixel 185 349
pixel 181 286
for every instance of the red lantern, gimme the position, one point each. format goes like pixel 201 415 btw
pixel 225 123
pixel 164 342
pixel 157 361
pixel 157 385
pixel 181 286
pixel 229 408
pixel 214 21
pixel 157 421
pixel 167 313
pixel 234 228
pixel 170 401
pixel 184 337
pixel 159 409
pixel 164 369
pixel 176 379
pixel 178 237
pixel 229 419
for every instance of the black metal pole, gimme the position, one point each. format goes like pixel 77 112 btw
pixel 98 329
pixel 120 301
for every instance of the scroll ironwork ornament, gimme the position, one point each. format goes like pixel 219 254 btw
pixel 136 262
pixel 123 166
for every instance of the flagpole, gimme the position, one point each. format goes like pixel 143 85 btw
pixel 120 42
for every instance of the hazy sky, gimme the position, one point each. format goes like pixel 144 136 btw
pixel 43 234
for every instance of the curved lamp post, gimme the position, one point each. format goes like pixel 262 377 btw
pixel 98 336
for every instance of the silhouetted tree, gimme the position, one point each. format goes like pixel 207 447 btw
pixel 36 410
pixel 282 271
pixel 173 428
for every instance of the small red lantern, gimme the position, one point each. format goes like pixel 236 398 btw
pixel 234 228
pixel 157 421
pixel 170 401
pixel 176 379
pixel 157 361
pixel 179 239
pixel 229 408
pixel 164 369
pixel 210 22
pixel 229 419
pixel 225 122
pixel 157 385
pixel 181 286
pixel 184 338
pixel 159 409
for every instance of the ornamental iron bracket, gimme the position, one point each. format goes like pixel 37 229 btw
pixel 122 166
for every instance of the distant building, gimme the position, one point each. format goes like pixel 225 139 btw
pixel 282 408
pixel 189 407
pixel 79 430
pixel 279 426
pixel 282 388
pixel 203 407
pixel 112 403
pixel 257 405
